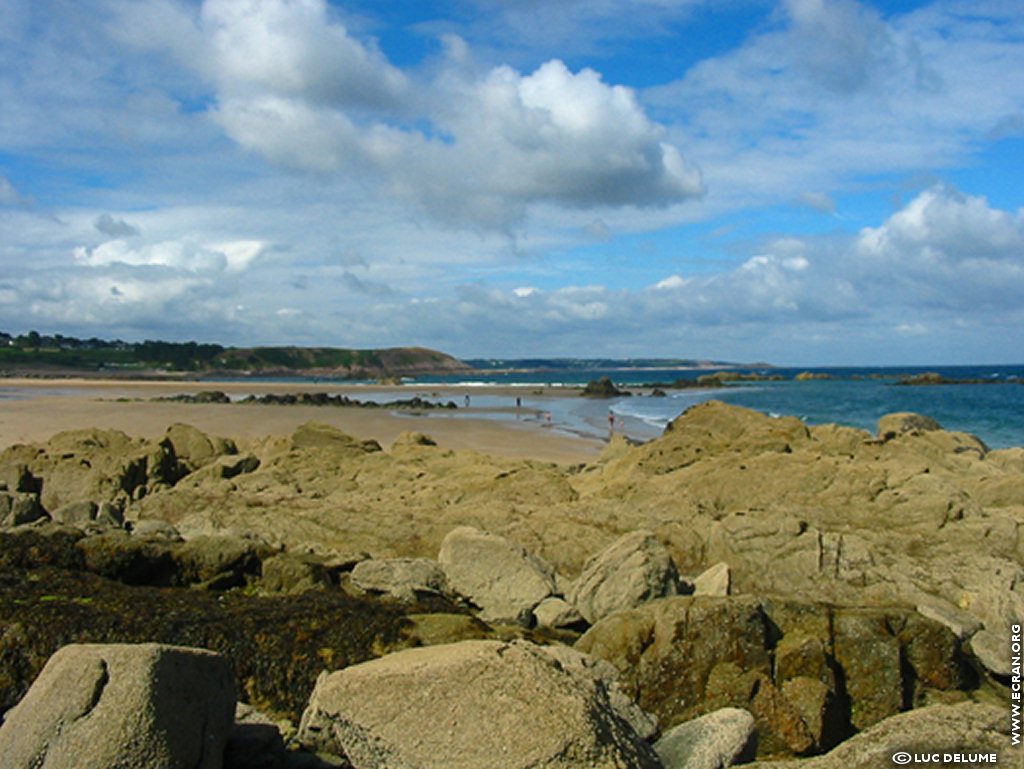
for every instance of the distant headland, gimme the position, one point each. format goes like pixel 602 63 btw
pixel 39 355
pixel 34 354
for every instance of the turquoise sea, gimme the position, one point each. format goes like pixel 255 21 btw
pixel 857 397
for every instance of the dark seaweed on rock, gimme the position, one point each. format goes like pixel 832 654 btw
pixel 277 644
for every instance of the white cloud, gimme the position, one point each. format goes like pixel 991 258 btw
pixel 672 281
pixel 180 255
pixel 429 204
pixel 293 85
pixel 914 278
pixel 947 250
pixel 294 49
pixel 239 255
pixel 833 92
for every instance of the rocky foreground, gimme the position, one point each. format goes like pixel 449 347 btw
pixel 743 588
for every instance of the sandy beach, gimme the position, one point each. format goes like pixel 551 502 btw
pixel 33 410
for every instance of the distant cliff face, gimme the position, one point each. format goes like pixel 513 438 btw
pixel 409 361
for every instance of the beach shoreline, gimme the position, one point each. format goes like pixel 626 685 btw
pixel 36 409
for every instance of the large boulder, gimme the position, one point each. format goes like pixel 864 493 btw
pixel 811 674
pixel 893 425
pixel 295 573
pixel 401 578
pixel 479 704
pixel 500 576
pixel 955 733
pixel 194 449
pixel 632 570
pixel 218 561
pixel 19 508
pixel 715 741
pixel 143 706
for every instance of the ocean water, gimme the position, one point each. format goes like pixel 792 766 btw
pixel 853 397
pixel 856 397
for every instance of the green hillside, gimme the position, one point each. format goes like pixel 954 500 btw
pixel 34 353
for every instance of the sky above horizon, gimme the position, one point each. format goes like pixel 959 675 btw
pixel 804 182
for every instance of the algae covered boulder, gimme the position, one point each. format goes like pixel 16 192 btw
pixel 968 733
pixel 146 706
pixel 810 674
pixel 480 704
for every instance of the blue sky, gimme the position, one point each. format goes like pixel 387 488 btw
pixel 804 182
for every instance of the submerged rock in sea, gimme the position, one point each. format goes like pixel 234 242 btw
pixel 480 704
pixel 146 706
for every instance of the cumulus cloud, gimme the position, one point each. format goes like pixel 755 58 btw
pixel 905 286
pixel 293 48
pixel 468 146
pixel 944 252
pixel 949 251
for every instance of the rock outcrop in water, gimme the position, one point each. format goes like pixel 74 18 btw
pixel 853 576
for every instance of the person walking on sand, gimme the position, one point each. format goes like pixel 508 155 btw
pixel 611 424
pixel 467 400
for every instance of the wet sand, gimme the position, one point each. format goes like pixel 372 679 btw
pixel 32 410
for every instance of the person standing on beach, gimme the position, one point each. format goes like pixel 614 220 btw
pixel 611 424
